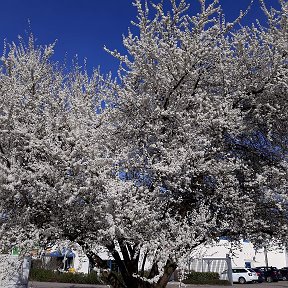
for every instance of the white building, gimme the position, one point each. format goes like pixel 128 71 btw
pixel 246 255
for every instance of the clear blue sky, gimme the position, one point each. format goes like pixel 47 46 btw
pixel 83 27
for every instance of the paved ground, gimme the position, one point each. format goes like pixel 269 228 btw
pixel 280 284
pixel 63 285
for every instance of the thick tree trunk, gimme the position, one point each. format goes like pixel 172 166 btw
pixel 128 266
pixel 134 282
pixel 168 271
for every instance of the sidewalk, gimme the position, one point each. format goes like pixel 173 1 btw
pixel 280 284
pixel 34 284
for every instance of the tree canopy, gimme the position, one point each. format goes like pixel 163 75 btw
pixel 192 144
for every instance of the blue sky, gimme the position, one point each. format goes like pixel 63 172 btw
pixel 83 27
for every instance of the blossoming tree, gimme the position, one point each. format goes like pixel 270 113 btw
pixel 195 91
pixel 166 166
pixel 49 131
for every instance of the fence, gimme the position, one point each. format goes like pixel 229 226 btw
pixel 14 271
pixel 222 266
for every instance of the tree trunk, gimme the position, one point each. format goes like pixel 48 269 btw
pixel 128 266
pixel 170 267
pixel 133 282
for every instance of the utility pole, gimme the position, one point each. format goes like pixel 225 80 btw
pixel 266 257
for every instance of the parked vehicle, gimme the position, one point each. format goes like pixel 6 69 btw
pixel 260 274
pixel 241 275
pixel 284 273
pixel 271 274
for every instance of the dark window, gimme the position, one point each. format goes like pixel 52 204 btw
pixel 239 271
pixel 242 271
pixel 248 264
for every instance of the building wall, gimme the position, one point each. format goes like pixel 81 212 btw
pixel 246 253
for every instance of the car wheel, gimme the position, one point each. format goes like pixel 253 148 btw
pixel 242 280
pixel 284 278
pixel 269 279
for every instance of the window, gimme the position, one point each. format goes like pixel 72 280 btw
pixel 248 264
pixel 239 270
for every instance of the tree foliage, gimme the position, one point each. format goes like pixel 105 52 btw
pixel 195 123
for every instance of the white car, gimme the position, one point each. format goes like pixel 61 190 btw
pixel 241 275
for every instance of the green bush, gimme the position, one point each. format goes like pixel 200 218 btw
pixel 207 282
pixel 43 275
pixel 199 276
pixel 210 278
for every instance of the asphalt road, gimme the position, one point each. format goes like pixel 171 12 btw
pixel 280 284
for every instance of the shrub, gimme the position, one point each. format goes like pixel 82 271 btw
pixel 210 278
pixel 207 282
pixel 199 276
pixel 43 275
